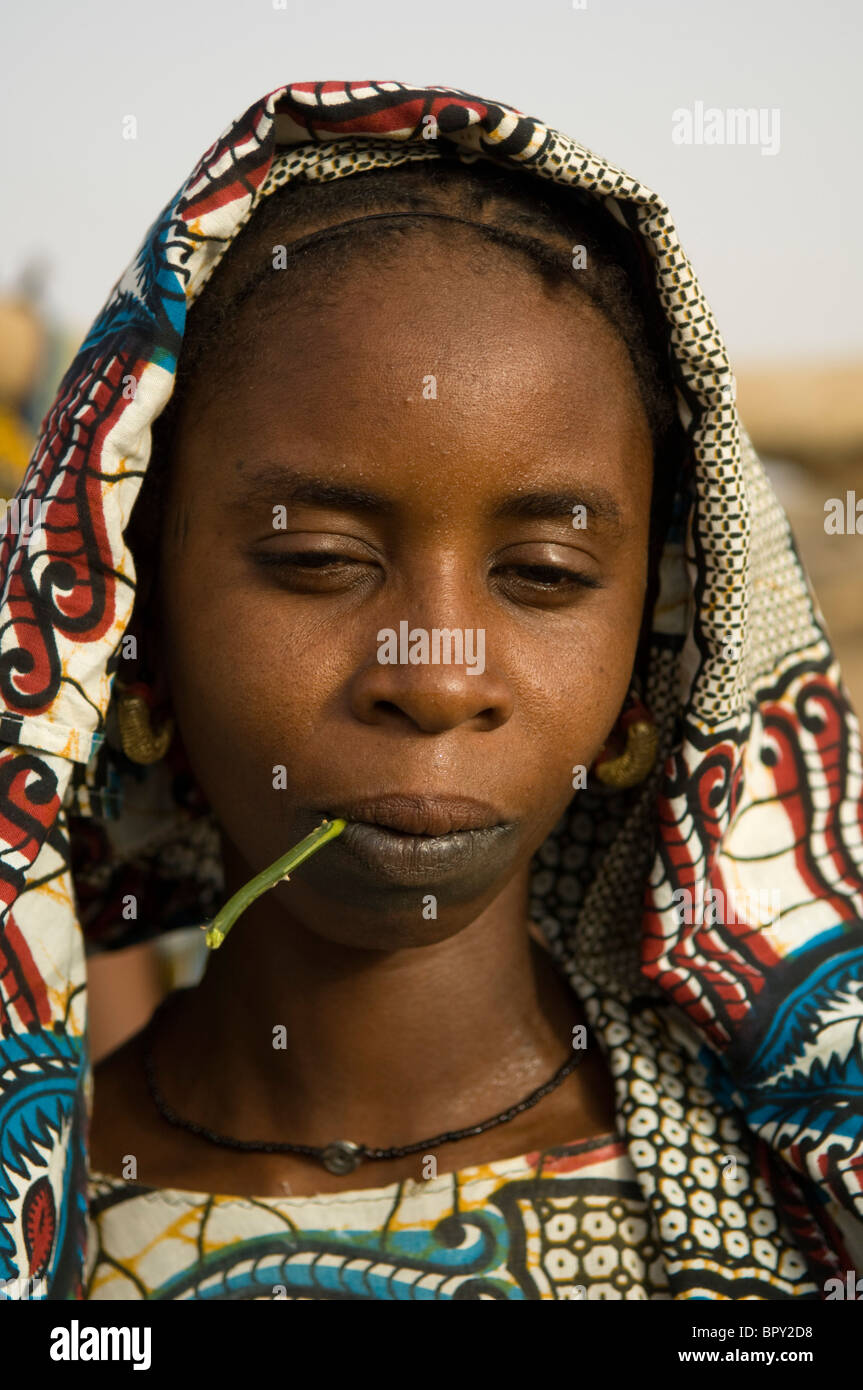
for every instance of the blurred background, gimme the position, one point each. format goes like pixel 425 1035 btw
pixel 106 107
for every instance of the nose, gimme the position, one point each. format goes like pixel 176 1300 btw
pixel 463 686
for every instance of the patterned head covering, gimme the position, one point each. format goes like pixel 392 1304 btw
pixel 733 1032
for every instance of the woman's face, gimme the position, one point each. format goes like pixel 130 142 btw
pixel 412 454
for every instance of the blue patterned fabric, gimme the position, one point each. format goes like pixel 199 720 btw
pixel 735 1042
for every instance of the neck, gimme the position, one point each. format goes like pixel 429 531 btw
pixel 383 1047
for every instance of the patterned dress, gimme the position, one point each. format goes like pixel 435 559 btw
pixel 733 1032
pixel 569 1222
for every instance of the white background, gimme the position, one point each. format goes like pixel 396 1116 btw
pixel 775 240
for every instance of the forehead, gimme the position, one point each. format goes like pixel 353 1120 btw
pixel 431 303
pixel 438 356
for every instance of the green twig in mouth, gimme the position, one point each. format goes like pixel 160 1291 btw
pixel 278 872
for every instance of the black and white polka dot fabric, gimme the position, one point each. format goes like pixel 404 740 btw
pixel 733 1037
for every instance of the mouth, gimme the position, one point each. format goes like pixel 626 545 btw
pixel 422 816
pixel 410 839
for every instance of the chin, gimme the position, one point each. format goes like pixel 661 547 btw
pixel 380 917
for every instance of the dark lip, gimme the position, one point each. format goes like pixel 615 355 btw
pixel 395 857
pixel 416 814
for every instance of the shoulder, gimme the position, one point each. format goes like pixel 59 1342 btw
pixel 126 1124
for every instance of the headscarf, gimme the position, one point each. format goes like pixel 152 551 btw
pixel 734 1040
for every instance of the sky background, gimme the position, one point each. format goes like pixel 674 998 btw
pixel 774 240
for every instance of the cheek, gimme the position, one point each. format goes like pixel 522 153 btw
pixel 576 679
pixel 575 698
pixel 242 671
pixel 244 681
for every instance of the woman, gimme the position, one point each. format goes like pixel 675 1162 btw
pixel 489 570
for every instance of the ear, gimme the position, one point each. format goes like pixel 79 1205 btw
pixel 149 667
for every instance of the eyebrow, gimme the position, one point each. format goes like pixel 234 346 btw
pixel 293 486
pixel 290 485
pixel 598 502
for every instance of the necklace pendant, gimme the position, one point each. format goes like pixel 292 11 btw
pixel 342 1156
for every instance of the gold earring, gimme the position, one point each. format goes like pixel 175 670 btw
pixel 638 758
pixel 141 743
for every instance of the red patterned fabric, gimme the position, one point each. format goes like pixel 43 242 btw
pixel 734 1038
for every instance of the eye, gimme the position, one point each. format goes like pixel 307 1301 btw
pixel 550 580
pixel 312 571
pixel 549 574
pixel 304 559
